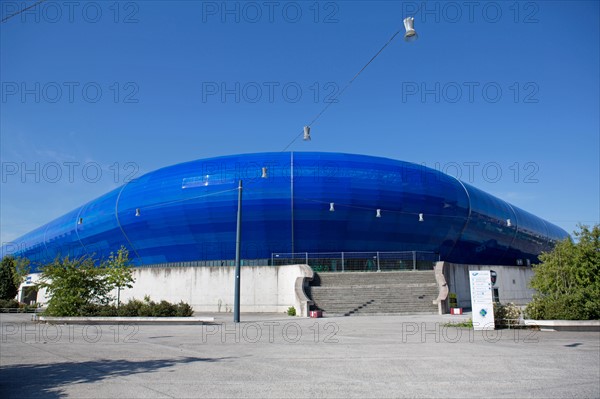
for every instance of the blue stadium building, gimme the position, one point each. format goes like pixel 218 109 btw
pixel 293 202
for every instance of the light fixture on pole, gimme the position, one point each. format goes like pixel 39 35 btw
pixel 306 133
pixel 409 36
pixel 409 26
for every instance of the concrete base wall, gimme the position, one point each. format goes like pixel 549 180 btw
pixel 512 282
pixel 211 289
pixel 275 289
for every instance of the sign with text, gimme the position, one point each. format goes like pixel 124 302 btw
pixel 481 299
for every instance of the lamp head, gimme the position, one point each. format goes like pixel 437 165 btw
pixel 306 133
pixel 409 26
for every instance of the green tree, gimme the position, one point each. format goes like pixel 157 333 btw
pixel 567 281
pixel 8 283
pixel 21 270
pixel 12 274
pixel 119 271
pixel 72 284
pixel 75 285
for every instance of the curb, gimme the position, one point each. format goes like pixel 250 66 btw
pixel 565 325
pixel 123 320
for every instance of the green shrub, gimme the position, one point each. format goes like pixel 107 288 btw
pixel 582 305
pixel 568 279
pixel 291 311
pixel 452 300
pixel 88 309
pixel 146 308
pixel 107 311
pixel 506 315
pixel 467 324
pixel 97 310
pixel 131 308
pixel 8 304
pixel 149 308
pixel 184 310
pixel 164 309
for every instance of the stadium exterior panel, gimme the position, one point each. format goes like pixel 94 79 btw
pixel 301 202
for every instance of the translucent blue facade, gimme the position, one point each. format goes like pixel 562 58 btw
pixel 187 212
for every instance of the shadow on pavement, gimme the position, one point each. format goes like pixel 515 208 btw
pixel 49 380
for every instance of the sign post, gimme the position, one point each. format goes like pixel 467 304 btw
pixel 481 299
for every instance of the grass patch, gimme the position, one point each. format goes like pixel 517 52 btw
pixel 467 324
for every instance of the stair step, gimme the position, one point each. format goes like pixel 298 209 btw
pixel 361 293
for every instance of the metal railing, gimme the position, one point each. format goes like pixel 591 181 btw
pixel 21 310
pixel 210 263
pixel 330 261
pixel 359 261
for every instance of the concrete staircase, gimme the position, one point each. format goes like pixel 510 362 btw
pixel 361 293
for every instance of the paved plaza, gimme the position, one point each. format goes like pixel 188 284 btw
pixel 280 356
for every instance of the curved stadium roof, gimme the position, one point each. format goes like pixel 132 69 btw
pixel 187 212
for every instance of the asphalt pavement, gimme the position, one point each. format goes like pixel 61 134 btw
pixel 276 356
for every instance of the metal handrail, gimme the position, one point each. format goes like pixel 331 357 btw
pixel 359 261
pixel 20 310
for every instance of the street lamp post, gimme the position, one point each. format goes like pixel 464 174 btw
pixel 238 242
pixel 410 35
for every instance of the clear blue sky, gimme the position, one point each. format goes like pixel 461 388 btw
pixel 505 94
